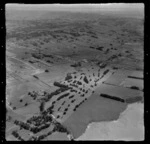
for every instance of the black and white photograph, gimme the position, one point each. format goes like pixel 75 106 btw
pixel 74 72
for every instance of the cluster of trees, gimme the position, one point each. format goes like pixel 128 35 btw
pixel 60 85
pixel 103 65
pixel 112 97
pixel 33 94
pixel 58 91
pixel 135 87
pixel 16 135
pixel 40 123
pixel 68 77
pixel 38 56
pixel 76 64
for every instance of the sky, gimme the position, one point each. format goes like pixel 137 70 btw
pixel 78 7
pixel 122 9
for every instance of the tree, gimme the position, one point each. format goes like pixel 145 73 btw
pixel 46 70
